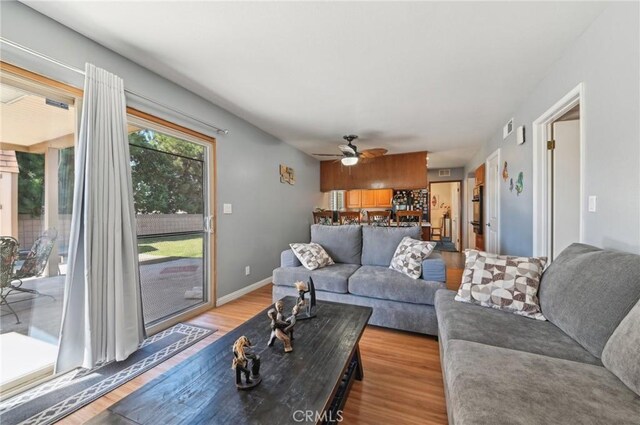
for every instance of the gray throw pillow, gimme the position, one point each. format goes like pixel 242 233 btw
pixel 409 256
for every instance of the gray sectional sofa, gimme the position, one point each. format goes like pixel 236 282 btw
pixel 362 276
pixel 582 366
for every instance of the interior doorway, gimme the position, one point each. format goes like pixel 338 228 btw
pixel 558 168
pixel 564 156
pixel 445 214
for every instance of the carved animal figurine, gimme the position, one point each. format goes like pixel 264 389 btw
pixel 304 288
pixel 240 364
pixel 278 326
pixel 292 321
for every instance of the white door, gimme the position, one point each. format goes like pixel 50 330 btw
pixel 492 203
pixel 455 214
pixel 565 205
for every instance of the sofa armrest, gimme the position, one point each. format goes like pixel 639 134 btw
pixel 289 259
pixel 434 269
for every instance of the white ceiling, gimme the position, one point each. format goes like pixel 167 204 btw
pixel 437 76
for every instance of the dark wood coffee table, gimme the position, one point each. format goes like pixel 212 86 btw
pixel 308 385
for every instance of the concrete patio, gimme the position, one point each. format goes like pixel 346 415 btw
pixel 167 287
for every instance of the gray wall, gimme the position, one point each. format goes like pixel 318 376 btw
pixel 267 215
pixel 606 59
pixel 456 174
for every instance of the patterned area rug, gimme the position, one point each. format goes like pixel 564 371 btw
pixel 61 396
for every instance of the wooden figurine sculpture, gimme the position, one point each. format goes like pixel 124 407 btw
pixel 240 364
pixel 304 288
pixel 281 328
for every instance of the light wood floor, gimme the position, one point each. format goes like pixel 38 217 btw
pixel 402 382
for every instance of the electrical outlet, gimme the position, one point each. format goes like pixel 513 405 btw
pixel 227 209
pixel 247 270
pixel 593 203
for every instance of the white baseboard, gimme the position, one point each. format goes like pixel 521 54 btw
pixel 240 292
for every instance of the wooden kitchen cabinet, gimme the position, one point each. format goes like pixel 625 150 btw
pixel 402 171
pixel 368 198
pixel 354 199
pixel 480 175
pixel 384 198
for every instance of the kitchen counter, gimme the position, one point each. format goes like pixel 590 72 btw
pixel 393 224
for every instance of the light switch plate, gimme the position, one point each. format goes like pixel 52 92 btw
pixel 593 203
pixel 520 135
pixel 227 209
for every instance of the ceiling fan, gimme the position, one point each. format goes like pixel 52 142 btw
pixel 350 154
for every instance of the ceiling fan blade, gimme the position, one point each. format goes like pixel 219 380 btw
pixel 373 153
pixel 347 149
pixel 326 154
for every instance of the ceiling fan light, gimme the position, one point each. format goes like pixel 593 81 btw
pixel 349 160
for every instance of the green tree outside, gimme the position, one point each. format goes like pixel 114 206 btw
pixel 167 174
pixel 30 183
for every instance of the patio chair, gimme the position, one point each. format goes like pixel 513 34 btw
pixel 8 256
pixel 36 261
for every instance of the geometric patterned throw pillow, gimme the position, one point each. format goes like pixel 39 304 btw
pixel 502 282
pixel 409 256
pixel 311 255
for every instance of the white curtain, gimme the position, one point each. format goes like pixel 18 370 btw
pixel 102 315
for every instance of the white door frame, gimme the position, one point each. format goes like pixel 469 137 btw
pixel 496 153
pixel 542 238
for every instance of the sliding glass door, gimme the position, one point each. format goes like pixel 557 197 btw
pixel 37 137
pixel 170 188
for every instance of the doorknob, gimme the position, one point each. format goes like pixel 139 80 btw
pixel 488 224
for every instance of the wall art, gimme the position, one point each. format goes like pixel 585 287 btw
pixel 287 175
pixel 520 183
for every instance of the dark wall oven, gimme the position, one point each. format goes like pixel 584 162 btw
pixel 477 210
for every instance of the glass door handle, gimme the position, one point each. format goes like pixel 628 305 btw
pixel 208 224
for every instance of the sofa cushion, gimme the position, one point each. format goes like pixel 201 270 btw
pixel 330 278
pixel 502 282
pixel 587 292
pixel 379 243
pixel 494 385
pixel 621 355
pixel 342 243
pixel 387 284
pixel 470 322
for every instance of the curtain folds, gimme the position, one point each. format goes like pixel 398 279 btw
pixel 102 316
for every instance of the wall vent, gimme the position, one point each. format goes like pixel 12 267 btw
pixel 444 173
pixel 508 129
